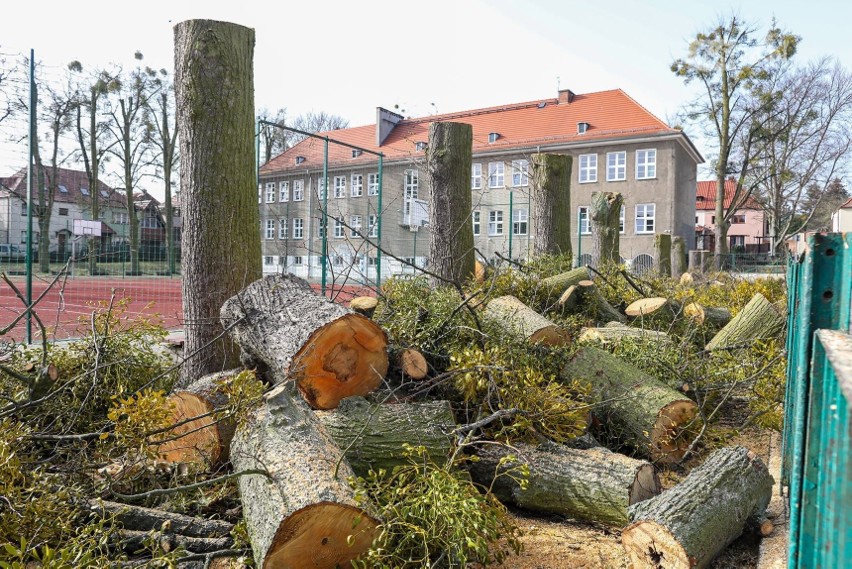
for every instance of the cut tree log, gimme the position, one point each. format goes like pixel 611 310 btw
pixel 557 284
pixel 411 363
pixel 133 541
pixel 711 315
pixel 523 322
pixel 686 526
pixel 204 440
pixel 592 297
pixel 658 306
pixel 365 305
pixel 640 410
pixel 594 485
pixel 479 271
pixel 372 435
pixel 328 350
pixel 686 279
pixel 303 514
pixel 144 519
pixel 614 334
pixel 759 319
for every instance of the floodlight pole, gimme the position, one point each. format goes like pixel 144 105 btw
pixel 31 151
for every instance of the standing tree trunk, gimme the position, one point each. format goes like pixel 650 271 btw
pixel 214 87
pixel 605 215
pixel 448 163
pixel 663 250
pixel 678 257
pixel 550 190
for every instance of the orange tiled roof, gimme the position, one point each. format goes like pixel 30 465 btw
pixel 609 114
pixel 847 203
pixel 705 195
pixel 71 180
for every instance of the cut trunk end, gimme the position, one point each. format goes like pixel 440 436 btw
pixel 649 544
pixel 672 435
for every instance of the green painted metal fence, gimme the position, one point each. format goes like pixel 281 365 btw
pixel 816 467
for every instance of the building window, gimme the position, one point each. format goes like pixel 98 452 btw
pixel 737 241
pixel 585 228
pixel 357 188
pixel 520 221
pixel 282 229
pixel 411 185
pixel 373 184
pixel 297 260
pixel 24 209
pixel 321 185
pixel 476 218
pixel 284 192
pixel 338 260
pixel 260 193
pixel 374 225
pixel 339 231
pixel 588 168
pixel 495 222
pixel 738 218
pixel 270 192
pixel 645 215
pixel 419 146
pixel 282 260
pixel 270 229
pixel 23 236
pixel 616 166
pixel 322 222
pixel 340 186
pixel 355 225
pixel 646 164
pixel 119 217
pixel 63 211
pixel 621 220
pixel 520 173
pixel 476 176
pixel 298 228
pixel 269 260
pixel 495 174
pixel 298 190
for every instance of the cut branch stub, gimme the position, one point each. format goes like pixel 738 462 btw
pixel 365 305
pixel 330 351
pixel 523 322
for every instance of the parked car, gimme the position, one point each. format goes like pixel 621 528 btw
pixel 12 253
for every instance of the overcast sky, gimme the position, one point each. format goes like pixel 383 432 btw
pixel 347 58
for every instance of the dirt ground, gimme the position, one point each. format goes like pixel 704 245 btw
pixel 554 543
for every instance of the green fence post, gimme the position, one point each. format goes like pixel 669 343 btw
pixel 511 222
pixel 379 215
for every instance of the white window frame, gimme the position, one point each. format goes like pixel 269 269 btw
pixel 322 183
pixel 270 229
pixel 298 190
pixel 520 222
pixel 340 186
pixel 496 174
pixel 645 223
pixel 495 222
pixel 356 186
pixel 282 228
pixel 616 166
pixel 373 220
pixel 284 191
pixel 298 228
pixel 520 173
pixel 355 225
pixel 339 229
pixel 298 261
pixel 583 220
pixel 476 219
pixel 260 193
pixel 646 164
pixel 270 192
pixel 373 184
pixel 411 184
pixel 476 176
pixel 588 171
pixel 621 219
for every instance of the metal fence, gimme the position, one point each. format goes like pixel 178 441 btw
pixel 816 463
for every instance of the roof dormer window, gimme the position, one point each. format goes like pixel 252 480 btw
pixel 300 159
pixel 492 137
pixel 582 127
pixel 420 146
pixel 356 152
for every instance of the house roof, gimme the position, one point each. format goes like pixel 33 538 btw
pixel 72 186
pixel 610 115
pixel 705 196
pixel 847 203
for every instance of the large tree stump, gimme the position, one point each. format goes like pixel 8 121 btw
pixel 679 260
pixel 640 410
pixel 372 435
pixel 550 193
pixel 205 439
pixel 605 216
pixel 663 250
pixel 304 513
pixel 594 485
pixel 220 251
pixel 686 526
pixel 328 350
pixel 757 320
pixel 448 163
pixel 522 322
pixel 712 315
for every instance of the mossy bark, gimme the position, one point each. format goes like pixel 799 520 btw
pixel 605 215
pixel 550 192
pixel 663 250
pixel 557 284
pixel 214 91
pixel 757 320
pixel 522 322
pixel 448 163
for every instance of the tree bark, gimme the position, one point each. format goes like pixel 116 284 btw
pixel 714 316
pixel 557 284
pixel 448 162
pixel 372 435
pixel 678 256
pixel 663 250
pixel 328 350
pixel 204 440
pixel 594 485
pixel 139 518
pixel 686 526
pixel 214 88
pixel 550 192
pixel 133 541
pixel 757 320
pixel 304 513
pixel 524 323
pixel 605 215
pixel 614 334
pixel 640 410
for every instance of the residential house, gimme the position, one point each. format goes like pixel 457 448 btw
pixel 841 220
pixel 616 145
pixel 748 230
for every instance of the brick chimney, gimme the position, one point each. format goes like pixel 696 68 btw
pixel 565 96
